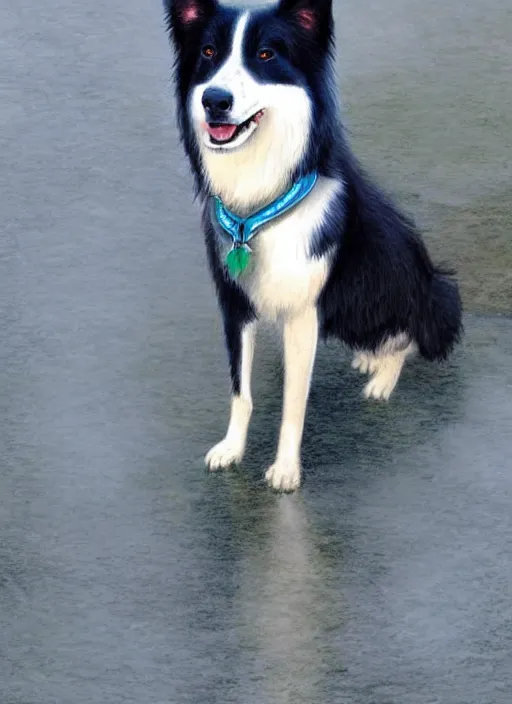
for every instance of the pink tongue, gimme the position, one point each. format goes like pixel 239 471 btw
pixel 222 133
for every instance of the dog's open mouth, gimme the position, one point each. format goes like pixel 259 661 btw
pixel 222 134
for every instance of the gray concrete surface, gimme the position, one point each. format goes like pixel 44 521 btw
pixel 127 574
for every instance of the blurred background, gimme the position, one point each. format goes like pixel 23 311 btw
pixel 428 100
pixel 127 573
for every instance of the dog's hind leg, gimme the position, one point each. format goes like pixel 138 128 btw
pixel 241 349
pixel 363 362
pixel 300 341
pixel 386 366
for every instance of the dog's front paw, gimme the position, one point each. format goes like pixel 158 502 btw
pixel 226 453
pixel 284 475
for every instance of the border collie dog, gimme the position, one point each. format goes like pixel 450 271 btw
pixel 295 231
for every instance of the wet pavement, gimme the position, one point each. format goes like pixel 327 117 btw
pixel 127 573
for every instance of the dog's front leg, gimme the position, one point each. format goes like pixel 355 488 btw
pixel 300 341
pixel 240 342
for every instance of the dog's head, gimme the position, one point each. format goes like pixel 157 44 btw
pixel 252 92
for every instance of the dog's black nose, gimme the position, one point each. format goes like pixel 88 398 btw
pixel 217 102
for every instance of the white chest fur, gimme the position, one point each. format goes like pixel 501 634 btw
pixel 283 278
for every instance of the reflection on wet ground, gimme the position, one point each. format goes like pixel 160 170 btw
pixel 127 574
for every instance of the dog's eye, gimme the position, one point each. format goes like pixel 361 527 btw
pixel 266 54
pixel 208 51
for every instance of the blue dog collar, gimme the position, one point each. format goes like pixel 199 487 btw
pixel 242 230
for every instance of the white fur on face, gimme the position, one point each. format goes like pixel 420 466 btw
pixel 257 166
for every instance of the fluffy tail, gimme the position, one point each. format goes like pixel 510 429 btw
pixel 439 327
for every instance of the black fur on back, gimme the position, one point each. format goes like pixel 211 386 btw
pixel 383 281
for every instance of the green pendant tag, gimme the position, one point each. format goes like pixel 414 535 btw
pixel 237 260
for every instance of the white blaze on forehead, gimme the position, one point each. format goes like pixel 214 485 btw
pixel 233 76
pixel 235 61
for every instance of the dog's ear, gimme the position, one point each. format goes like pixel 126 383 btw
pixel 187 17
pixel 312 16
